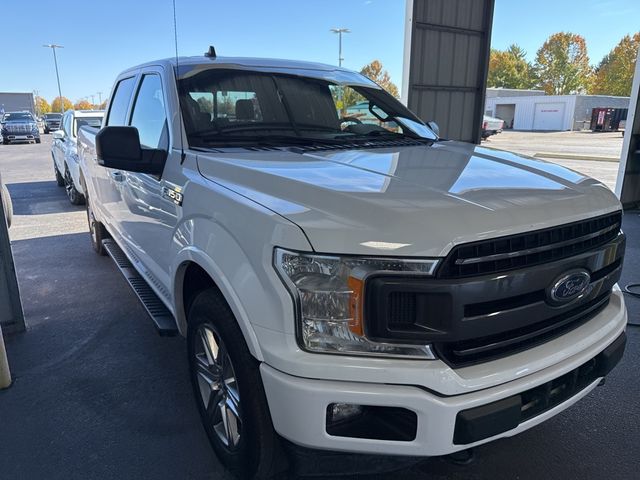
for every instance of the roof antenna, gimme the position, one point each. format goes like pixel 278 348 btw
pixel 175 38
pixel 211 53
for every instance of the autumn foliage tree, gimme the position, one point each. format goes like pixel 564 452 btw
pixel 82 105
pixel 614 74
pixel 510 69
pixel 562 64
pixel 378 74
pixel 42 106
pixel 61 101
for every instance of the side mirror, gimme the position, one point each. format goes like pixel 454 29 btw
pixel 119 148
pixel 58 135
pixel 434 126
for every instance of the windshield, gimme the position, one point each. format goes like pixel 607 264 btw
pixel 18 117
pixel 86 122
pixel 238 107
pixel 53 116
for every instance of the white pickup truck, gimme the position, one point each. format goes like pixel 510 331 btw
pixel 348 285
pixel 64 151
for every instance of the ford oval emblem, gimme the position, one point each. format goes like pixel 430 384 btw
pixel 570 286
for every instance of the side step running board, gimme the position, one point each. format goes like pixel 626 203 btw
pixel 161 316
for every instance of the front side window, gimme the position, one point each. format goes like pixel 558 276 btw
pixel 66 124
pixel 148 114
pixel 236 107
pixel 120 103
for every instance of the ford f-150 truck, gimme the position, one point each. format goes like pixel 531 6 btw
pixel 341 285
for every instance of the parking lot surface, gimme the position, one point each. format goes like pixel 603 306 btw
pixel 594 154
pixel 97 394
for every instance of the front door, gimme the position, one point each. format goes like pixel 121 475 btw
pixel 148 215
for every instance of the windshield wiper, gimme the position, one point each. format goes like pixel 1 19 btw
pixel 264 140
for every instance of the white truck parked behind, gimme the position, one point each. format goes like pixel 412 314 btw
pixel 342 285
pixel 64 150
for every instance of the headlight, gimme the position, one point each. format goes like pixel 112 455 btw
pixel 329 292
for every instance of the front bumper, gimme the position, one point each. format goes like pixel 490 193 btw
pixel 444 424
pixel 21 137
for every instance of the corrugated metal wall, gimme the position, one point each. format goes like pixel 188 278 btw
pixel 446 58
pixel 13 102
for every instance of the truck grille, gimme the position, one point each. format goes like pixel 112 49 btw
pixel 469 352
pixel 18 128
pixel 530 248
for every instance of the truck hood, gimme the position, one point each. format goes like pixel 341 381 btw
pixel 409 201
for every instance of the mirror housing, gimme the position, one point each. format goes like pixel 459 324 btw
pixel 119 148
pixel 434 126
pixel 58 135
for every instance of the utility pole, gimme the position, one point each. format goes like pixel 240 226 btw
pixel 340 31
pixel 93 100
pixel 53 47
pixel 100 98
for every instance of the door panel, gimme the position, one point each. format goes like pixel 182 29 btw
pixel 146 218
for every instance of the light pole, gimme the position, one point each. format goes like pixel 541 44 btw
pixel 100 98
pixel 93 100
pixel 53 47
pixel 340 31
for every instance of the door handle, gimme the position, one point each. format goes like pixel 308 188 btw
pixel 117 176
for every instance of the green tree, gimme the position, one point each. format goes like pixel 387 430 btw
pixel 378 74
pixel 509 69
pixel 58 101
pixel 42 106
pixel 562 64
pixel 614 74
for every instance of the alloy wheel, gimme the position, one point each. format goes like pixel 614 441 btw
pixel 218 386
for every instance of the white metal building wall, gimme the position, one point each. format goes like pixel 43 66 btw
pixel 526 107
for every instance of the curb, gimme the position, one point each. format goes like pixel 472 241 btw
pixel 572 156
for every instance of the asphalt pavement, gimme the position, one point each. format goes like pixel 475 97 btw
pixel 97 394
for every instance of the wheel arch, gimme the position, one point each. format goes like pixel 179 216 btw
pixel 196 272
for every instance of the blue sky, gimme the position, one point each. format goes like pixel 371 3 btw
pixel 101 38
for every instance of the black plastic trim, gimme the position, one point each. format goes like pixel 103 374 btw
pixel 475 424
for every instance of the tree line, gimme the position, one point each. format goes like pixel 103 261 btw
pixel 42 106
pixel 562 67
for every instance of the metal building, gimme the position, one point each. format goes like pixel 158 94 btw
pixel 550 112
pixel 446 56
pixel 17 101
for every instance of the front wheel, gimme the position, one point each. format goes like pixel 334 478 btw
pixel 37 140
pixel 59 177
pixel 75 197
pixel 96 229
pixel 229 392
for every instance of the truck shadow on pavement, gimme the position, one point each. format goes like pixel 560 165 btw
pixel 40 198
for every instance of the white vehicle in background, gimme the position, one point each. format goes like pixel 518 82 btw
pixel 64 150
pixel 491 126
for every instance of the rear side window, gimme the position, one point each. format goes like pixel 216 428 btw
pixel 148 114
pixel 120 102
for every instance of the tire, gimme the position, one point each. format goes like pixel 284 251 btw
pixel 59 178
pixel 46 130
pixel 97 232
pixel 75 197
pixel 7 205
pixel 37 140
pixel 256 452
